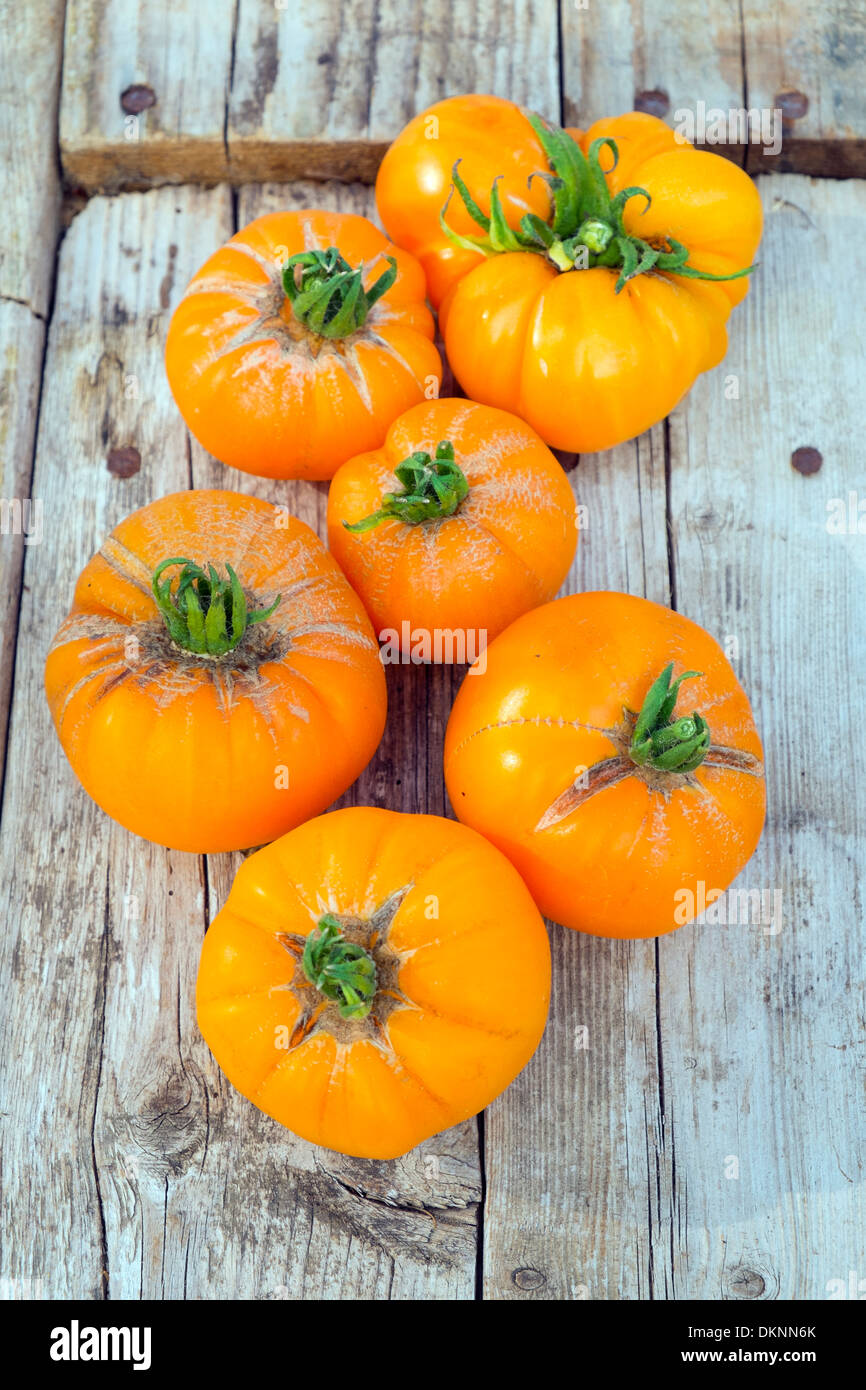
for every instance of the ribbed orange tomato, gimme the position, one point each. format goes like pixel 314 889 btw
pixel 593 325
pixel 609 750
pixel 461 521
pixel 217 680
pixel 592 316
pixel 374 978
pixel 298 342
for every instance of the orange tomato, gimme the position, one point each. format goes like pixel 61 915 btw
pixel 589 305
pixel 482 529
pixel 227 705
pixel 374 978
pixel 609 750
pixel 298 342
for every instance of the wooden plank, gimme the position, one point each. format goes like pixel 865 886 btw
pixel 639 56
pixel 799 61
pixel 702 1139
pixel 762 1028
pixel 322 89
pixel 292 91
pixel 148 1157
pixel 806 60
pixel 574 1150
pixel 144 92
pixel 30 54
pixel 69 977
pixel 22 337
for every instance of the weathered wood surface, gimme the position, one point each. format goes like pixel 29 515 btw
pixel 159 1181
pixel 281 90
pixel 288 91
pixel 30 56
pixel 606 1162
pixel 692 1124
pixel 802 61
pixel 144 92
pixel 704 1138
pixel 808 61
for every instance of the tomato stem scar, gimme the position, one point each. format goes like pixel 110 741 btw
pixel 341 970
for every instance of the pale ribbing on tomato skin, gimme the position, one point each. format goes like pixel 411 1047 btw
pixel 504 547
pixel 263 393
pixel 548 711
pixel 135 713
pixel 441 1039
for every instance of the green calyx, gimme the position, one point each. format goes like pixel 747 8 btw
pixel 585 225
pixel 680 746
pixel 433 488
pixel 341 970
pixel 327 294
pixel 204 614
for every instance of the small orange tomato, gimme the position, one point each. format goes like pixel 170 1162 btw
pixel 217 680
pixel 592 323
pixel 492 138
pixel 298 342
pixel 460 522
pixel 374 978
pixel 609 750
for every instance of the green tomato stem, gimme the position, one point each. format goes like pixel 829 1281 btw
pixel 341 970
pixel 204 614
pixel 584 217
pixel 433 488
pixel 327 294
pixel 678 746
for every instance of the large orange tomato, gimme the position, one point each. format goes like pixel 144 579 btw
pixel 492 138
pixel 592 317
pixel 374 978
pixel 298 342
pixel 609 750
pixel 217 680
pixel 460 522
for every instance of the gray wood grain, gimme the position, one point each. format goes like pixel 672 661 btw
pixel 292 90
pixel 67 958
pixel 800 60
pixel 31 39
pixel 144 92
pixel 571 1147
pixel 763 1020
pixel 637 56
pixel 30 58
pixel 703 1137
pixel 319 89
pixel 806 60
pixel 22 339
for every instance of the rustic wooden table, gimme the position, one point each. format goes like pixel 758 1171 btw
pixel 692 1125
